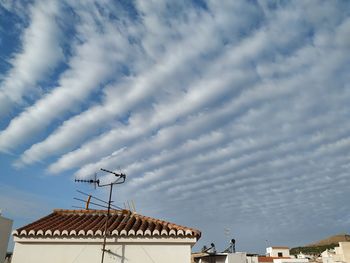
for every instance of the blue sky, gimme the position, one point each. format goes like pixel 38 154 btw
pixel 228 116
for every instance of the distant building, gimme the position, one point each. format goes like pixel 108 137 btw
pixel 5 230
pixel 77 236
pixel 264 259
pixel 273 255
pixel 338 254
pixel 302 255
pixel 290 260
pixel 280 255
pixel 328 256
pixel 277 252
pixel 237 257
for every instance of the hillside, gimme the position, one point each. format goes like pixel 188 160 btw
pixel 320 246
pixel 331 240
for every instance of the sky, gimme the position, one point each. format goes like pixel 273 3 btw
pixel 228 116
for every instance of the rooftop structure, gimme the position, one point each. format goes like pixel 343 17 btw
pixel 338 254
pixel 65 235
pixel 277 251
pixel 92 222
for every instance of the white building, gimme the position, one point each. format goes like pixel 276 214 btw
pixel 5 230
pixel 277 252
pixel 338 254
pixel 308 256
pixel 237 257
pixel 77 236
pixel 280 255
pixel 290 260
pixel 328 255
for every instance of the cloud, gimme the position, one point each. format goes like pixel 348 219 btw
pixel 203 94
pixel 39 55
pixel 222 114
pixel 95 58
pixel 15 6
pixel 282 155
pixel 148 84
pixel 142 86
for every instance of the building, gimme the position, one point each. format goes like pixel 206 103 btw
pixel 77 236
pixel 290 260
pixel 302 255
pixel 265 259
pixel 328 256
pixel 273 255
pixel 237 257
pixel 277 252
pixel 5 230
pixel 338 254
pixel 279 255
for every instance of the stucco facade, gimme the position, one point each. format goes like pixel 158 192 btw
pixel 290 260
pixel 77 236
pixel 277 252
pixel 84 250
pixel 338 254
pixel 343 251
pixel 5 230
pixel 237 257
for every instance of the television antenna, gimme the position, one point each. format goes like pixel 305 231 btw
pixel 96 182
pixel 96 202
pixel 232 247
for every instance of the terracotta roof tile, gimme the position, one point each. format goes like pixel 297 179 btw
pixel 92 223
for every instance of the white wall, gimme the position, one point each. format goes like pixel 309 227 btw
pixel 345 248
pixel 236 258
pixel 302 255
pixel 5 230
pixel 218 258
pixel 87 250
pixel 291 260
pixel 341 254
pixel 273 251
pixel 327 260
pixel 252 259
pixel 327 256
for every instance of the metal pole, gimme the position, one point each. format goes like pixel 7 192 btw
pixel 106 225
pixel 120 176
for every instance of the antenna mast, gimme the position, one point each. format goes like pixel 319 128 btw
pixel 120 179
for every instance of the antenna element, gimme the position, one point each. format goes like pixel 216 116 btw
pixel 120 179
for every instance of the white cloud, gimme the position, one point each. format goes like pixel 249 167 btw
pixel 94 61
pixel 174 63
pixel 148 84
pixel 39 55
pixel 18 7
pixel 233 107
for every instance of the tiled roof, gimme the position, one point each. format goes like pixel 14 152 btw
pixel 92 223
